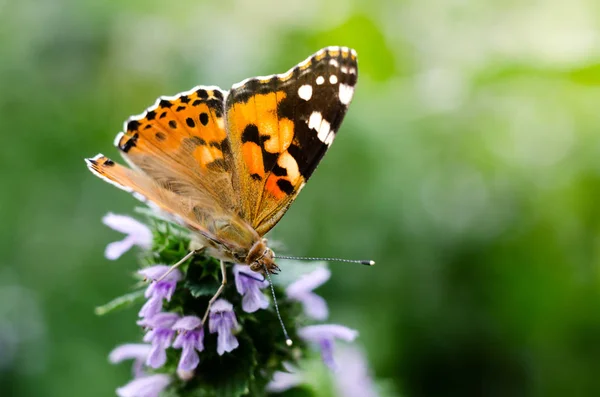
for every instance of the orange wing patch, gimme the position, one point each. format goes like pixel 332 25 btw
pixel 263 138
pixel 253 158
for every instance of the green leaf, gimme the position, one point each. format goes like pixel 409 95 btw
pixel 202 276
pixel 204 287
pixel 122 302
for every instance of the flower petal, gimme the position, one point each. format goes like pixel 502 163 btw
pixel 221 305
pixel 226 342
pixel 147 386
pixel 240 283
pixel 129 351
pixel 253 300
pixel 199 341
pixel 116 249
pixel 157 357
pixel 162 320
pixel 152 307
pixel 127 225
pixel 165 288
pixel 352 378
pixel 327 353
pixel 187 339
pixel 189 359
pixel 246 278
pixel 283 381
pixel 314 306
pixel 138 368
pixel 157 271
pixel 324 335
pixel 315 333
pixel 149 336
pixel 308 282
pixel 180 340
pixel 187 323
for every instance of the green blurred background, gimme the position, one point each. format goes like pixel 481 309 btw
pixel 468 166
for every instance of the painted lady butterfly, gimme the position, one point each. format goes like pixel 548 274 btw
pixel 228 164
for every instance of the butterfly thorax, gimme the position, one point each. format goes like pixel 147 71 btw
pixel 259 257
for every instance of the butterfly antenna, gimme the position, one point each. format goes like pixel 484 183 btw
pixel 362 262
pixel 288 341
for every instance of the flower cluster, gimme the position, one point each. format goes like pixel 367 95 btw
pixel 242 349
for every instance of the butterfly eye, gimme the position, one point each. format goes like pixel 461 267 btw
pixel 256 267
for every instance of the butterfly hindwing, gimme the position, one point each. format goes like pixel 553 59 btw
pixel 280 127
pixel 143 188
pixel 218 228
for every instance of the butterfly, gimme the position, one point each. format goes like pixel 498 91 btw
pixel 228 164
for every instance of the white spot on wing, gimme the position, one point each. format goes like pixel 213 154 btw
pixel 305 92
pixel 334 63
pixel 344 69
pixel 314 120
pixel 345 93
pixel 333 79
pixel 320 80
pixel 329 139
pixel 322 126
pixel 289 163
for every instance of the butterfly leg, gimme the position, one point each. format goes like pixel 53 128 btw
pixel 216 295
pixel 181 261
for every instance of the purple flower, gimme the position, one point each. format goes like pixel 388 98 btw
pixel 352 378
pixel 301 291
pixel 160 334
pixel 190 340
pixel 222 320
pixel 136 234
pixel 158 290
pixel 283 381
pixel 147 386
pixel 324 335
pixel 139 352
pixel 249 284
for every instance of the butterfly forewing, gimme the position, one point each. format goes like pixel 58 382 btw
pixel 181 143
pixel 281 126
